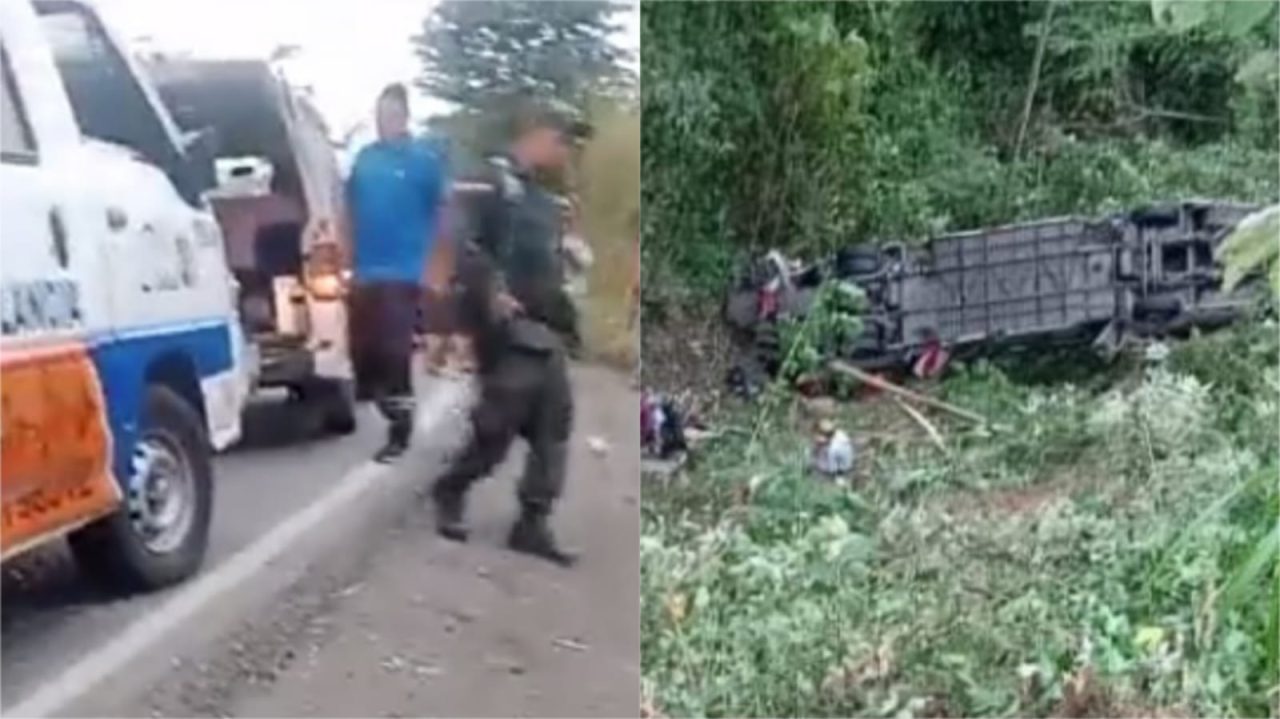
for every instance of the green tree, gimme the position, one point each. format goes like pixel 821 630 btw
pixel 485 57
pixel 809 126
pixel 476 54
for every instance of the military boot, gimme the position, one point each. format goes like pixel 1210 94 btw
pixel 532 536
pixel 398 434
pixel 449 509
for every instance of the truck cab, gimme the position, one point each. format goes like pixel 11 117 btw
pixel 122 360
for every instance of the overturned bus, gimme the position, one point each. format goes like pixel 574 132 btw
pixel 1146 273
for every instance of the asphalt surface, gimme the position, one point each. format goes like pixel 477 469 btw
pixel 409 624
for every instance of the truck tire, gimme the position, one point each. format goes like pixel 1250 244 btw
pixel 858 261
pixel 160 534
pixel 339 408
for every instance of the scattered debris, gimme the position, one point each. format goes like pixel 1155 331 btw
pixel 677 606
pixel 648 710
pixel 886 385
pixel 745 384
pixel 924 423
pixel 860 671
pixel 833 452
pixel 349 590
pixel 662 470
pixel 1157 352
pixel 570 644
pixel 694 436
pixel 1083 695
pixel 661 427
pixel 933 359
pixel 393 664
pixel 598 445
pixel 427 670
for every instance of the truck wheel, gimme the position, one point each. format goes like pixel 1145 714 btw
pixel 159 536
pixel 339 407
pixel 858 261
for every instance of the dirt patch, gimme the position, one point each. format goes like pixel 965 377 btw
pixel 687 353
pixel 1085 696
pixel 1066 483
pixel 1022 500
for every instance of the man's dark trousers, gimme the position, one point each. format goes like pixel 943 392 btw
pixel 383 317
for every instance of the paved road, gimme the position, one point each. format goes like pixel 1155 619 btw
pixel 50 614
pixel 421 627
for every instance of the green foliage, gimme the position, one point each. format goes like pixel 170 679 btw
pixel 825 331
pixel 807 126
pixel 1236 18
pixel 1253 246
pixel 609 175
pixel 478 53
pixel 487 57
pixel 1125 532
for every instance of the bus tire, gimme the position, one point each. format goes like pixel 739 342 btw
pixel 160 534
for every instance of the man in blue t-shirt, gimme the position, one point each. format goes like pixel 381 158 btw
pixel 394 195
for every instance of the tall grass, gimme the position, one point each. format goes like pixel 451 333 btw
pixel 609 178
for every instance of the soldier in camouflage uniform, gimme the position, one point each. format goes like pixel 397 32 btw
pixel 513 305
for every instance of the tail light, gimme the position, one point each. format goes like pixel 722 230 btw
pixel 326 287
pixel 325 271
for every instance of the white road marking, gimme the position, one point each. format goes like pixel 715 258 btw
pixel 58 693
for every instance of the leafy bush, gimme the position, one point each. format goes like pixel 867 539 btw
pixel 826 330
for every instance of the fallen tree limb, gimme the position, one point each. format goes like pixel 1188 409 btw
pixel 887 386
pixel 924 423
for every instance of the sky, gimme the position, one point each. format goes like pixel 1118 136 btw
pixel 348 49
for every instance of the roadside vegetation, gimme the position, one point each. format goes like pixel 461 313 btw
pixel 1105 542
pixel 488 59
pixel 609 174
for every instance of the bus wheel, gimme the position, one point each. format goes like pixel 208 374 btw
pixel 159 535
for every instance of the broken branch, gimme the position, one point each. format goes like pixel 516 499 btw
pixel 887 386
pixel 924 423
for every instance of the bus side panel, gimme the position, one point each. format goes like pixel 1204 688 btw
pixel 56 444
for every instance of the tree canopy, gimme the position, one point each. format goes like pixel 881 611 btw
pixel 487 56
pixel 475 53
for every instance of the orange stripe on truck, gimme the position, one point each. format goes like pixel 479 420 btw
pixel 55 445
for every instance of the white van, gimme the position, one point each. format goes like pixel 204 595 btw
pixel 278 203
pixel 121 356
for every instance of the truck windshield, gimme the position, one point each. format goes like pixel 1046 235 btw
pixel 108 103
